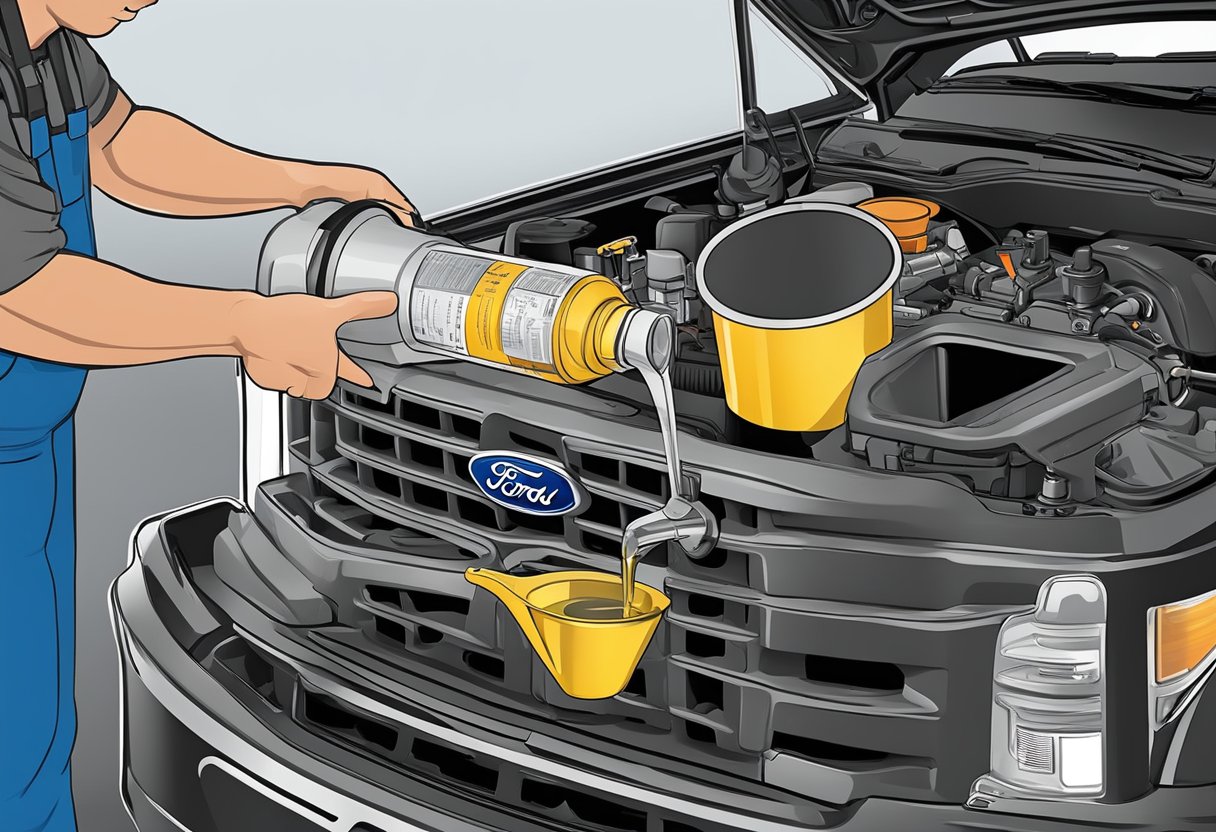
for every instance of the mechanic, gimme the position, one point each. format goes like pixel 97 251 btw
pixel 67 126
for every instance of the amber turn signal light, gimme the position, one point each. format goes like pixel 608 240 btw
pixel 1186 633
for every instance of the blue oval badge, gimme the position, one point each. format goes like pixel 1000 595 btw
pixel 524 483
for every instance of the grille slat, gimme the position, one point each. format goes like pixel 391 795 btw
pixel 423 474
pixel 456 441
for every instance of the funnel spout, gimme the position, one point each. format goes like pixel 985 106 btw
pixel 512 592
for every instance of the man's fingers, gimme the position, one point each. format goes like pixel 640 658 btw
pixel 406 215
pixel 402 209
pixel 398 199
pixel 318 388
pixel 352 372
pixel 269 377
pixel 364 305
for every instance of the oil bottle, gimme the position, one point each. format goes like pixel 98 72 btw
pixel 553 322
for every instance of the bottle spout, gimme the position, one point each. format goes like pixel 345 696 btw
pixel 686 522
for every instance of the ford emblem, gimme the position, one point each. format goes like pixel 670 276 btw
pixel 525 483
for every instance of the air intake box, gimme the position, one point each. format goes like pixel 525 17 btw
pixel 962 388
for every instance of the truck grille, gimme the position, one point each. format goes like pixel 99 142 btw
pixel 417 455
pixel 836 701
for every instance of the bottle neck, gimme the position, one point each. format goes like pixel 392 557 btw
pixel 607 328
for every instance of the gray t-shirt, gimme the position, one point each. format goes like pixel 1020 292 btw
pixel 29 211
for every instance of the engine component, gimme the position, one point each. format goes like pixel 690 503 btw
pixel 1169 451
pixel 630 263
pixel 921 269
pixel 553 322
pixel 755 177
pixel 978 388
pixel 1084 279
pixel 545 238
pixel 670 283
pixel 800 295
pixel 1185 294
pixel 842 193
pixel 1033 269
pixel 687 232
pixel 907 217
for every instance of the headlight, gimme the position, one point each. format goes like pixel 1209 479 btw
pixel 263 447
pixel 1048 696
pixel 1183 646
pixel 1185 636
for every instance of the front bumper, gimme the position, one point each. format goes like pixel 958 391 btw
pixel 198 756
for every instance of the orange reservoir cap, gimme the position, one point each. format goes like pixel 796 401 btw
pixel 907 217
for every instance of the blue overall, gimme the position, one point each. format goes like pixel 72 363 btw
pixel 38 528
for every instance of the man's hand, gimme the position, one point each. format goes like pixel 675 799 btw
pixel 351 183
pixel 289 342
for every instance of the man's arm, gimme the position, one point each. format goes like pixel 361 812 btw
pixel 157 162
pixel 77 310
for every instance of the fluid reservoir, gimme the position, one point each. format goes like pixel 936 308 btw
pixel 907 217
pixel 801 295
pixel 554 322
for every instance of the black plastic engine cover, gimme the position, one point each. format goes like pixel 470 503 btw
pixel 977 387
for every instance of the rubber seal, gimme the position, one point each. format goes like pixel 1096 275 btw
pixel 318 274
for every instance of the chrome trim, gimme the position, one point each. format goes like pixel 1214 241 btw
pixel 164 814
pixel 262 443
pixel 265 791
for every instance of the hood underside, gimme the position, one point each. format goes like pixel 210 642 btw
pixel 891 48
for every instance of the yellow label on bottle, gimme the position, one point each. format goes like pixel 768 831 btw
pixel 492 310
pixel 483 322
pixel 529 316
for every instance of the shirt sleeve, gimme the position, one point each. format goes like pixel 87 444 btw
pixel 96 83
pixel 29 214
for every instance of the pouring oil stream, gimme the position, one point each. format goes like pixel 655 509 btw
pixel 656 373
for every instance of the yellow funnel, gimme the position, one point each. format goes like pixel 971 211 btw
pixel 590 657
pixel 801 295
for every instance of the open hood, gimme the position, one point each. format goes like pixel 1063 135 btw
pixel 892 48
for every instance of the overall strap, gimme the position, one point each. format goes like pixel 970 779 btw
pixel 33 103
pixel 64 67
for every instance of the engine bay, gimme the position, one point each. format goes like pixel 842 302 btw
pixel 1022 367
